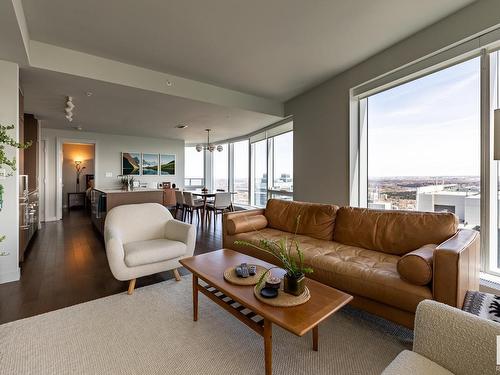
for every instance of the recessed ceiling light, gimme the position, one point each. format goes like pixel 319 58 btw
pixel 181 126
pixel 169 83
pixel 89 93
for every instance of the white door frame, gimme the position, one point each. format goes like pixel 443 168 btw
pixel 59 162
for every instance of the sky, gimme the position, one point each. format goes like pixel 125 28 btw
pixel 427 127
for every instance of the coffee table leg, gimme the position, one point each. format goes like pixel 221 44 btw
pixel 315 338
pixel 195 297
pixel 268 346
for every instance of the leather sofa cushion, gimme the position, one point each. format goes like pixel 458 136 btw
pixel 362 272
pixel 416 266
pixel 245 223
pixel 393 232
pixel 152 251
pixel 316 220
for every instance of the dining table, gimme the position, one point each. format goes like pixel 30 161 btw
pixel 205 195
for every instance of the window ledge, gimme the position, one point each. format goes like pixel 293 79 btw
pixel 489 283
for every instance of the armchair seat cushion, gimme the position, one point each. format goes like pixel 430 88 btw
pixel 152 251
pixel 408 362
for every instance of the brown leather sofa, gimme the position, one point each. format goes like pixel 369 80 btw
pixel 388 260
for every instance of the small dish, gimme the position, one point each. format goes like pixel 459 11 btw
pixel 269 292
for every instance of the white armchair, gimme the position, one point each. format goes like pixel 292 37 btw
pixel 143 239
pixel 448 341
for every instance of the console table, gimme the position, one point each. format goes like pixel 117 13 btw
pixel 76 199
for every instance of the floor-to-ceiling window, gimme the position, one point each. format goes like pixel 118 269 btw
pixel 423 140
pixel 259 173
pixel 493 261
pixel 221 168
pixel 194 176
pixel 240 167
pixel 281 166
pixel 244 164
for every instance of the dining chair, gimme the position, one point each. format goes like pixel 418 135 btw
pixel 179 203
pixel 221 203
pixel 191 205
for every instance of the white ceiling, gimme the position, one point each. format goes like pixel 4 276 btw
pixel 275 49
pixel 125 110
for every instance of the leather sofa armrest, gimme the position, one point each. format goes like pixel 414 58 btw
pixel 230 215
pixel 456 267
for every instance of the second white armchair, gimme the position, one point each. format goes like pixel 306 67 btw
pixel 143 239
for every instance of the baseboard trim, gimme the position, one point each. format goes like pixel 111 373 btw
pixel 10 276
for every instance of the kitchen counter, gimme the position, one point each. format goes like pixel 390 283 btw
pixel 136 190
pixel 103 200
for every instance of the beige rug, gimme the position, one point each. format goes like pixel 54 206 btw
pixel 152 332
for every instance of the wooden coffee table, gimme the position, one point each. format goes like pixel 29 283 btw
pixel 260 316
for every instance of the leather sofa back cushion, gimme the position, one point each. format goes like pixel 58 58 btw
pixel 245 223
pixel 392 232
pixel 316 220
pixel 416 266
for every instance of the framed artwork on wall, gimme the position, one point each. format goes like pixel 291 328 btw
pixel 131 163
pixel 149 164
pixel 167 164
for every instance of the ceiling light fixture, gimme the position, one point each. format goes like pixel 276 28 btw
pixel 208 146
pixel 89 93
pixel 181 126
pixel 69 109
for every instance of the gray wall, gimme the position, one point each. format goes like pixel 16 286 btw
pixel 321 115
pixel 107 159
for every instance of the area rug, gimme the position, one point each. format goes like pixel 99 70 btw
pixel 152 332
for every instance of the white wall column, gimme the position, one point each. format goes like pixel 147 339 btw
pixel 9 216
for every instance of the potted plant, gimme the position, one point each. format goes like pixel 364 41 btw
pixel 288 253
pixel 7 140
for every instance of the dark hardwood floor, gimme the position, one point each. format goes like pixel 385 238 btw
pixel 66 264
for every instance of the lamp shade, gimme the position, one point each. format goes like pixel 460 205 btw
pixel 496 135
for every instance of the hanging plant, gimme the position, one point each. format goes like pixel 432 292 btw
pixel 7 140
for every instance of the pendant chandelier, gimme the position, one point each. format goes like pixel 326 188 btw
pixel 208 146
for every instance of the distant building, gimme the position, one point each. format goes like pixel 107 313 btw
pixel 380 205
pixel 441 198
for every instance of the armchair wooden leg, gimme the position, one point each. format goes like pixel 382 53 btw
pixel 131 286
pixel 177 275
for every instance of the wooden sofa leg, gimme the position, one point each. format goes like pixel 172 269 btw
pixel 177 275
pixel 131 286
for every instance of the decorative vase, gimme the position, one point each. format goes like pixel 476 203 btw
pixel 294 284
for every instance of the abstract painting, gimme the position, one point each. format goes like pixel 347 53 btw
pixel 131 163
pixel 167 165
pixel 149 164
